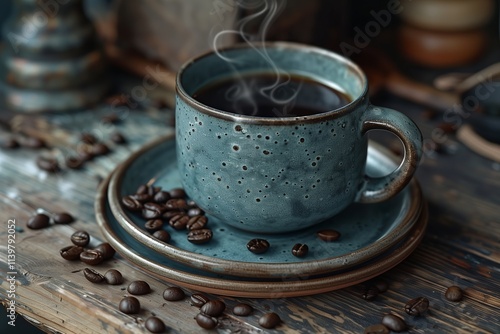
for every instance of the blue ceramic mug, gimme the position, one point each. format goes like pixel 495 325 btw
pixel 281 174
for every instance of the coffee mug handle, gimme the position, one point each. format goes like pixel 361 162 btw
pixel 378 189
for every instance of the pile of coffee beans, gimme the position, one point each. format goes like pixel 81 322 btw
pixel 77 251
pixel 42 220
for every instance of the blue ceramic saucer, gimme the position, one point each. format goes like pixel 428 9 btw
pixel 367 230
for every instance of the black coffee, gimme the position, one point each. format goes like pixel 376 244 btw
pixel 270 95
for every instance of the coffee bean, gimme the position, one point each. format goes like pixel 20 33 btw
pixel 143 189
pixel 376 329
pixel 417 306
pixel 33 142
pixel 161 197
pixel 88 138
pixel 100 149
pixel 176 204
pixel 394 323
pixel 177 193
pixel 195 212
pixel 258 246
pixel 139 288
pixel 328 235
pixel 213 308
pixel 73 162
pixel 80 238
pixel 173 294
pixel 371 293
pixel 113 277
pixel 91 257
pixel 155 325
pixel 167 215
pixel 198 299
pixel 129 305
pixel 92 275
pixel 63 218
pixel 381 285
pixel 118 138
pixel 242 310
pixel 162 235
pixel 84 153
pixel 10 143
pixel 143 198
pixel 71 253
pixel 200 236
pixel 153 225
pixel 454 294
pixel 131 203
pixel 270 320
pixel 152 210
pixel 205 321
pixel 179 222
pixel 48 164
pixel 106 250
pixel 38 221
pixel 300 250
pixel 196 222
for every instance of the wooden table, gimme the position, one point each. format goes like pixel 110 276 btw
pixel 461 246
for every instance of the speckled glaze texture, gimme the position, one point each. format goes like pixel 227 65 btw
pixel 273 175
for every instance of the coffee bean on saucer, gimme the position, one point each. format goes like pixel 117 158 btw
pixel 113 277
pixel 88 138
pixel 100 149
pixel 38 221
pixel 162 235
pixel 139 288
pixel 73 162
pixel 258 246
pixel 48 164
pixel 10 143
pixel 205 321
pixel 198 299
pixel 143 198
pixel 417 306
pixel 454 294
pixel 154 325
pixel 195 212
pixel 118 138
pixel 129 305
pixel 131 203
pixel 173 294
pixel 63 218
pixel 176 204
pixel 33 142
pixel 92 275
pixel 177 193
pixel 106 250
pixel 371 293
pixel 91 257
pixel 328 235
pixel 376 329
pixel 167 215
pixel 196 222
pixel 394 323
pixel 200 236
pixel 162 197
pixel 153 225
pixel 300 250
pixel 71 253
pixel 381 285
pixel 213 308
pixel 179 221
pixel 242 310
pixel 152 210
pixel 270 320
pixel 80 238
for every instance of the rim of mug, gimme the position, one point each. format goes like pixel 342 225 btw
pixel 226 115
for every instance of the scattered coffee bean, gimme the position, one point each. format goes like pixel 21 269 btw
pixel 38 221
pixel 113 277
pixel 139 288
pixel 213 308
pixel 91 257
pixel 100 149
pixel 71 253
pixel 242 310
pixel 196 222
pixel 33 142
pixel 152 210
pixel 48 164
pixel 176 204
pixel 106 250
pixel 270 320
pixel 381 285
pixel 177 193
pixel 111 119
pixel 195 212
pixel 143 198
pixel 454 294
pixel 417 306
pixel 129 305
pixel 328 235
pixel 200 236
pixel 80 238
pixel 85 153
pixel 198 300
pixel 258 246
pixel 300 250
pixel 162 235
pixel 161 197
pixel 63 218
pixel 394 323
pixel 92 275
pixel 73 162
pixel 153 225
pixel 179 221
pixel 173 294
pixel 376 329
pixel 205 321
pixel 10 143
pixel 131 203
pixel 118 138
pixel 155 325
pixel 371 293
pixel 88 138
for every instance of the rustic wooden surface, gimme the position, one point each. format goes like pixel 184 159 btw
pixel 461 246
